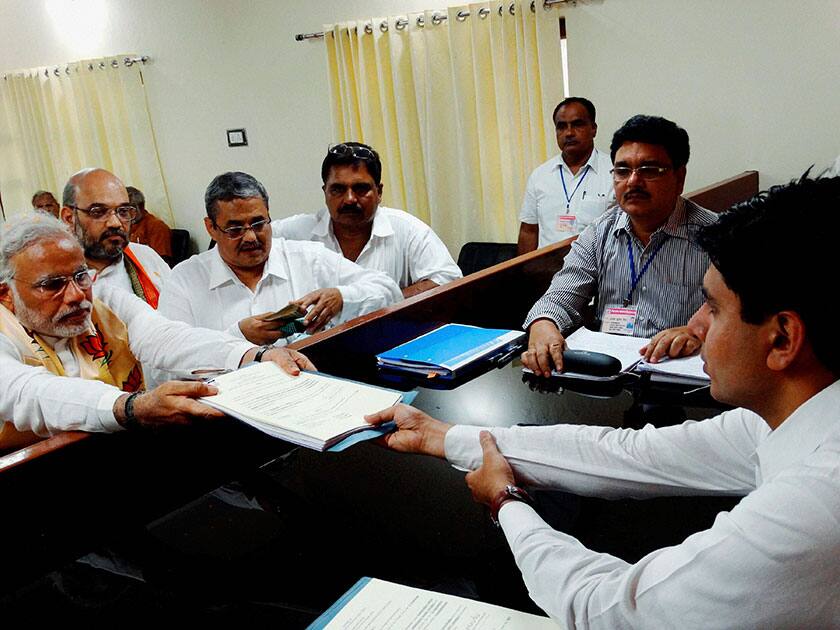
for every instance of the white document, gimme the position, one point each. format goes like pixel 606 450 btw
pixel 382 605
pixel 310 409
pixel 625 349
pixel 683 369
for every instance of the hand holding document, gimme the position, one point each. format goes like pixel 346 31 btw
pixel 373 604
pixel 312 410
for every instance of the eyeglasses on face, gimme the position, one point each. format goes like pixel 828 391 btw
pixel 649 172
pixel 97 212
pixel 235 232
pixel 346 151
pixel 53 286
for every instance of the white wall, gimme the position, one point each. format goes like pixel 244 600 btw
pixel 754 81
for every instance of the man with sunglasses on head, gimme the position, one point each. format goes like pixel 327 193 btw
pixel 97 209
pixel 638 261
pixel 249 275
pixel 71 361
pixel 376 237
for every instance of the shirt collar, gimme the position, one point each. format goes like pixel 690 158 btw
pixel 676 225
pixel 221 273
pixel 592 163
pixel 801 433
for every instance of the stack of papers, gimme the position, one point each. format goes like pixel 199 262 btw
pixel 447 350
pixel 313 410
pixel 373 604
pixel 682 371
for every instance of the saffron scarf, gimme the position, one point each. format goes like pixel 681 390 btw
pixel 102 352
pixel 141 283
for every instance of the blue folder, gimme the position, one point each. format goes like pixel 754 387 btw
pixel 450 349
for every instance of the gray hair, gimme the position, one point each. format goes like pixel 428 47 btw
pixel 20 232
pixel 230 186
pixel 135 196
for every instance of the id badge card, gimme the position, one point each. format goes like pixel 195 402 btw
pixel 566 223
pixel 619 320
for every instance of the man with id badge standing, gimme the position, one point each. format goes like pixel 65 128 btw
pixel 638 260
pixel 571 190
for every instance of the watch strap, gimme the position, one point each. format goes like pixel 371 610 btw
pixel 263 349
pixel 508 493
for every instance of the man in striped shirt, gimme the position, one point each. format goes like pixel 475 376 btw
pixel 638 260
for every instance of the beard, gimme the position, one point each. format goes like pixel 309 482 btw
pixel 98 249
pixel 52 326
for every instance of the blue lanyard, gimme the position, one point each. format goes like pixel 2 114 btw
pixel 633 277
pixel 565 190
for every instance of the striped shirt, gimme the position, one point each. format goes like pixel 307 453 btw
pixel 597 266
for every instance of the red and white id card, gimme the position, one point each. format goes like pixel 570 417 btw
pixel 619 320
pixel 566 223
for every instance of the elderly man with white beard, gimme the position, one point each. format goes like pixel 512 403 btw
pixel 71 361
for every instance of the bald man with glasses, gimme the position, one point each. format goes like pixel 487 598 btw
pixel 96 207
pixel 638 260
pixel 236 285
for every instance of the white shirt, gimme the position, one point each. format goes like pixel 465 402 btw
pixel 204 291
pixel 400 245
pixel 116 275
pixel 587 195
pixel 772 562
pixel 42 402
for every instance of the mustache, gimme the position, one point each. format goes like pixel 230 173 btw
pixel 112 231
pixel 250 246
pixel 350 209
pixel 85 306
pixel 637 191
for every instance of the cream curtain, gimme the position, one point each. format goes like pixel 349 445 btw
pixel 459 109
pixel 56 121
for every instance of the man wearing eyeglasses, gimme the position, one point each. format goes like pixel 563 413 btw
pixel 71 361
pixel 376 237
pixel 238 284
pixel 571 190
pixel 638 260
pixel 97 208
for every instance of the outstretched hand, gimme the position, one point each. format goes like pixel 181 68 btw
pixel 416 432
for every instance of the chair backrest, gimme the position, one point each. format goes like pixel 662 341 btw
pixel 477 256
pixel 180 245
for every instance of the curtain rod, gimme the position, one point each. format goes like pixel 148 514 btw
pixel 127 62
pixel 437 18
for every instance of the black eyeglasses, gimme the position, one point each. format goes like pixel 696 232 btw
pixel 98 212
pixel 622 173
pixel 236 232
pixel 348 150
pixel 53 286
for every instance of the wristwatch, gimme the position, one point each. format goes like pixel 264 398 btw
pixel 261 352
pixel 130 420
pixel 509 493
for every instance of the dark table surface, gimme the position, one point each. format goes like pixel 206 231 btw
pixel 283 540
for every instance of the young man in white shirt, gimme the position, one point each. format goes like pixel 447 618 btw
pixel 572 189
pixel 249 275
pixel 97 209
pixel 373 236
pixel 70 361
pixel 770 347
